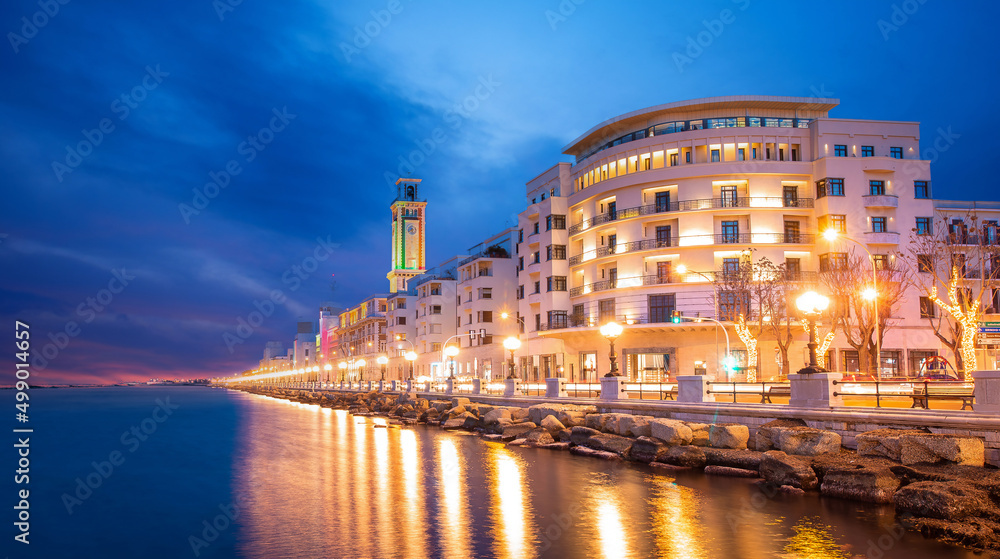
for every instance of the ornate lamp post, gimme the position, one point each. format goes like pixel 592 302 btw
pixel 411 356
pixel 383 361
pixel 451 351
pixel 327 368
pixel 343 370
pixel 512 344
pixel 611 331
pixel 812 305
pixel 360 364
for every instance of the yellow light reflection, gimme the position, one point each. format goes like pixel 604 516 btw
pixel 383 505
pixel 675 520
pixel 413 519
pixel 611 531
pixel 455 534
pixel 814 540
pixel 510 511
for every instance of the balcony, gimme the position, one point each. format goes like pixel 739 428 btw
pixel 694 240
pixel 882 238
pixel 692 205
pixel 881 201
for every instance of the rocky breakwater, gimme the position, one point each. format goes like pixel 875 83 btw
pixel 937 483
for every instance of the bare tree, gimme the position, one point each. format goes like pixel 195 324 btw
pixel 853 313
pixel 958 265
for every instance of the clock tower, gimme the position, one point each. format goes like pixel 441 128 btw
pixel 408 235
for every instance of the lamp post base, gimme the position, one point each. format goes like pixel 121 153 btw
pixel 811 370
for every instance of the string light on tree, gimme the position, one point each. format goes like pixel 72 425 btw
pixel 750 341
pixel 968 318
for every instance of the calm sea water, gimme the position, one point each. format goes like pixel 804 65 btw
pixel 227 474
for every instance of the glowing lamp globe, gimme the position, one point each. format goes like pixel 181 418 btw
pixel 382 360
pixel 512 343
pixel 611 330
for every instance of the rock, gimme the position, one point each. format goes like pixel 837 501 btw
pixel 764 437
pixel 538 412
pixel 634 426
pixel 503 422
pixel 518 414
pixel 730 472
pixel 743 459
pixel 688 456
pixel 778 468
pixel 612 423
pixel 458 401
pixel 580 435
pixel 453 424
pixel 974 533
pixel 955 449
pixel 596 421
pixel 871 485
pixel 564 436
pixel 699 433
pixel 552 424
pixel 584 451
pixel 572 418
pixel 648 449
pixel 728 435
pixel 517 442
pixel 555 446
pixel 496 415
pixel 540 435
pixel 806 441
pixel 517 430
pixel 670 431
pixel 610 443
pixel 883 442
pixel 936 499
pixel 471 422
pixel 492 437
pixel 422 403
pixel 665 466
pixel 457 411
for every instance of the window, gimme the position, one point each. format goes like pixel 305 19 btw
pixel 876 188
pixel 612 210
pixel 663 236
pixel 401 320
pixel 793 269
pixel 730 232
pixel 867 151
pixel 555 252
pixel 829 187
pixel 538 287
pixel 577 317
pixel 435 289
pixel 840 150
pixel 520 263
pixel 790 196
pixel 556 283
pixel 520 235
pixel 733 303
pixel 924 226
pixel 605 311
pixel 485 292
pixel 436 346
pixel 673 159
pixel 558 319
pixel 536 257
pixel 538 322
pixel 792 232
pixel 832 261
pixel 687 157
pixel 663 201
pixel 715 156
pixel 520 292
pixel 534 228
pixel 741 154
pixel 558 221
pixel 612 243
pixel 927 308
pixel 836 222
pixel 925 263
pixel 896 152
pixel 485 316
pixel 663 270
pixel 730 266
pixel 878 224
pixel 921 189
pixel 728 194
pixel 661 307
pixel 881 261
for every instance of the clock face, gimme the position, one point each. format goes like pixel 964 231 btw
pixel 411 230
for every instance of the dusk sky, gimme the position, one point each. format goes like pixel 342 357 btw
pixel 114 114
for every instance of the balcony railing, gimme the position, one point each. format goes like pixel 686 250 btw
pixel 692 205
pixel 676 278
pixel 881 201
pixel 882 237
pixel 693 240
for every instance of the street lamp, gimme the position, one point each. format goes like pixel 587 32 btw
pixel 383 361
pixel 328 368
pixel 611 331
pixel 411 356
pixel 512 344
pixel 343 370
pixel 812 304
pixel 869 294
pixel 360 364
pixel 451 351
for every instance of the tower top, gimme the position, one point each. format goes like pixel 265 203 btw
pixel 406 189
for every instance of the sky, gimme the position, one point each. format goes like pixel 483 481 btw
pixel 169 168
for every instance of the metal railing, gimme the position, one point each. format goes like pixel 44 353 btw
pixel 920 392
pixel 692 205
pixel 763 389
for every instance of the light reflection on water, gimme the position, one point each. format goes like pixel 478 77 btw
pixel 322 483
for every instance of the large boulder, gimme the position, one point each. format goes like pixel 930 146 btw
pixel 551 424
pixel 872 485
pixel 806 441
pixel 613 422
pixel 743 459
pixel 517 430
pixel 688 456
pixel 496 415
pixel 778 468
pixel 953 449
pixel 459 401
pixel 539 412
pixel 540 436
pixel 518 415
pixel 648 449
pixel 579 435
pixel 572 418
pixel 670 431
pixel 764 438
pixel 728 435
pixel 596 421
pixel 883 442
pixel 457 411
pixel 634 426
pixel 610 443
pixel 699 433
pixel 947 500
pixel 456 423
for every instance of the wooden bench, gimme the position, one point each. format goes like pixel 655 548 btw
pixel 765 396
pixel 670 394
pixel 922 397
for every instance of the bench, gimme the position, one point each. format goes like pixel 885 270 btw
pixel 922 397
pixel 670 394
pixel 783 390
